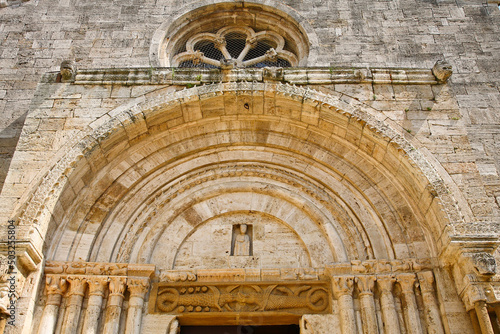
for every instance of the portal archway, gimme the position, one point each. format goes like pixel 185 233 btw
pixel 348 193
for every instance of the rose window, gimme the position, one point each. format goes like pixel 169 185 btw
pixel 235 47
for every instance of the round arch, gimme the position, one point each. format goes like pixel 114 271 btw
pixel 359 179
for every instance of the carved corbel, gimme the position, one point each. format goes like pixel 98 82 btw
pixel 442 70
pixel 67 71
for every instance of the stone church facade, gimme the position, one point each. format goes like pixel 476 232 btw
pixel 263 166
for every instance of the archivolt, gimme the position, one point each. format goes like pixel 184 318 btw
pixel 349 133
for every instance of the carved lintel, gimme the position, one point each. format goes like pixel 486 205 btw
pixel 231 297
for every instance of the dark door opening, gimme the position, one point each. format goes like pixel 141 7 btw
pixel 286 329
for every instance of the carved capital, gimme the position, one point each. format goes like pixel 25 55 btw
pixel 342 285
pixel 55 285
pixel 117 286
pixel 474 294
pixel 97 285
pixel 138 286
pixel 426 281
pixel 365 284
pixel 406 281
pixel 76 285
pixel 385 283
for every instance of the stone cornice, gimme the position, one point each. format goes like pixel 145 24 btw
pixel 296 76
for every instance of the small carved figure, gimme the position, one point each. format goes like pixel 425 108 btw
pixel 485 263
pixel 242 242
pixel 68 70
pixel 442 70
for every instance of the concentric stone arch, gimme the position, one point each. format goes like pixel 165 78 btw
pixel 122 127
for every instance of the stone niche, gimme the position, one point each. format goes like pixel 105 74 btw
pixel 272 244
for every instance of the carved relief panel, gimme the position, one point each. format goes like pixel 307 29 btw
pixel 196 299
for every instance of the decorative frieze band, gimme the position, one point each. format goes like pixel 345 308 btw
pixel 304 298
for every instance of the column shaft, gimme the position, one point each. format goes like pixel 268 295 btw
pixel 368 315
pixel 114 307
pixel 411 315
pixel 55 289
pixel 475 321
pixel 389 314
pixel 138 289
pixel 483 317
pixel 96 293
pixel 73 310
pixel 342 289
pixel 431 308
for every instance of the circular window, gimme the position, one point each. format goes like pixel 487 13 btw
pixel 234 35
pixel 236 46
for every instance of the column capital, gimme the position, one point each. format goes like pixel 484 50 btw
pixel 406 281
pixel 56 285
pixel 76 285
pixel 117 286
pixel 385 283
pixel 97 285
pixel 138 286
pixel 426 281
pixel 342 285
pixel 366 284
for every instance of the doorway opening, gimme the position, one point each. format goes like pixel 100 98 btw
pixel 284 329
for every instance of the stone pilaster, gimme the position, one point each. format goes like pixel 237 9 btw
pixel 55 289
pixel 138 288
pixel 389 315
pixel 431 308
pixel 74 304
pixel 114 308
pixel 412 319
pixel 368 315
pixel 342 287
pixel 97 287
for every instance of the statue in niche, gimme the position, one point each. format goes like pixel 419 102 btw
pixel 242 242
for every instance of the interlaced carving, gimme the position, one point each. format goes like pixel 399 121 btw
pixel 235 47
pixel 309 297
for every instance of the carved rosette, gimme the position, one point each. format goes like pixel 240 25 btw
pixel 307 297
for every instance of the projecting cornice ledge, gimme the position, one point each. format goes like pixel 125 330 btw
pixel 296 76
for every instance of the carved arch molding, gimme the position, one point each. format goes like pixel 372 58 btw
pixel 230 161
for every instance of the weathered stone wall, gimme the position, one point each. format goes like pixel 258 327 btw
pixel 454 125
pixel 37 35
